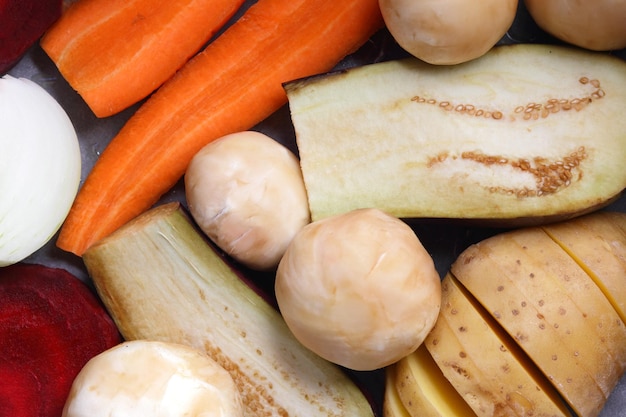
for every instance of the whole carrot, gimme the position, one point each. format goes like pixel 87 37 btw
pixel 233 84
pixel 116 52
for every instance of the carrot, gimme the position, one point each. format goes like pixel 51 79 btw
pixel 114 53
pixel 232 85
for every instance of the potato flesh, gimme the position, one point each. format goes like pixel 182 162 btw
pixel 598 244
pixel 554 311
pixel 406 137
pixel 486 366
pixel 424 390
pixel 392 405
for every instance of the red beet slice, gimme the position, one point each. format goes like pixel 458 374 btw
pixel 22 22
pixel 51 324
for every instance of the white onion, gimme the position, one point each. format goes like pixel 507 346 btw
pixel 40 167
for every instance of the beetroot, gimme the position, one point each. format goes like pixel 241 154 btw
pixel 22 22
pixel 51 324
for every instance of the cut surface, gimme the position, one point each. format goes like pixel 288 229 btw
pixel 51 325
pixel 392 405
pixel 526 132
pixel 424 390
pixel 22 22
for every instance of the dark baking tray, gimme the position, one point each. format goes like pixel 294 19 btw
pixel 444 241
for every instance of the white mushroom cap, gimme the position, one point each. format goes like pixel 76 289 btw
pixel 247 194
pixel 358 289
pixel 148 378
pixel 448 32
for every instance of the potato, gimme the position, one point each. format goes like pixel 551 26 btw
pixel 392 405
pixel 473 352
pixel 598 243
pixel 422 388
pixel 593 24
pixel 529 323
pixel 553 310
pixel 358 289
pixel 448 31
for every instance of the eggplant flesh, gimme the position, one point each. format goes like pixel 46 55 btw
pixel 526 134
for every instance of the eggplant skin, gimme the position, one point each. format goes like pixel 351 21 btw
pixel 517 222
pixel 525 135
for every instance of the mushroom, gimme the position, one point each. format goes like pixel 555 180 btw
pixel 358 289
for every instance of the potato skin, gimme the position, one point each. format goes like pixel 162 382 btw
pixel 536 309
pixel 541 295
pixel 448 32
pixel 599 243
pixel 598 25
pixel 484 365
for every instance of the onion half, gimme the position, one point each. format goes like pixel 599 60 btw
pixel 40 168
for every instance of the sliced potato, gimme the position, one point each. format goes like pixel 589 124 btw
pixel 392 405
pixel 522 135
pixel 484 364
pixel 424 390
pixel 598 243
pixel 552 309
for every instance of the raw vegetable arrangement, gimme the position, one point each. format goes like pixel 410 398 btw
pixel 309 207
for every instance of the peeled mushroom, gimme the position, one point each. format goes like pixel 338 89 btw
pixel 598 25
pixel 358 289
pixel 447 32
pixel 247 194
pixel 148 378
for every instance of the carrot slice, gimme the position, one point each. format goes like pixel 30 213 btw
pixel 114 53
pixel 233 84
